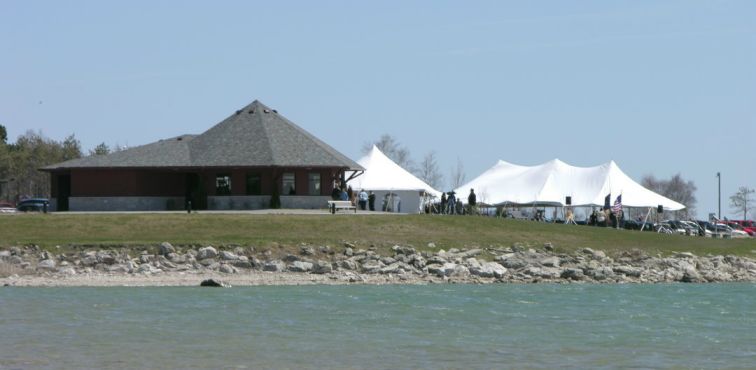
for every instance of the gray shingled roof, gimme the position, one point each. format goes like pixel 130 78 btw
pixel 253 136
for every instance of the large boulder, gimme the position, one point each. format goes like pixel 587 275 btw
pixel 488 270
pixel 227 269
pixel 106 258
pixel 228 256
pixel 627 270
pixel 600 273
pixel 118 269
pixel 177 258
pixel 48 265
pixel 215 283
pixel 148 269
pixel 403 250
pixel 418 261
pixel 207 252
pixel 274 266
pixel 572 273
pixel 68 270
pixel 437 260
pixel 348 264
pixel 512 261
pixel 550 261
pixel 166 248
pixel 393 268
pixel 447 269
pixel 692 276
pixel 717 276
pixel 371 266
pixel 300 266
pixel 321 267
pixel 460 271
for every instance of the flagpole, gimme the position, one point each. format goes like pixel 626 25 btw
pixel 646 219
pixel 618 212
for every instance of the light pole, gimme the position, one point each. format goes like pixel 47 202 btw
pixel 719 195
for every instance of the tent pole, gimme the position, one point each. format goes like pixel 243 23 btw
pixel 645 219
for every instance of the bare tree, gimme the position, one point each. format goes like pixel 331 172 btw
pixel 677 189
pixel 392 149
pixel 429 171
pixel 742 201
pixel 457 176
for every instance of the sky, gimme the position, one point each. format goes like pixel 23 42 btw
pixel 660 87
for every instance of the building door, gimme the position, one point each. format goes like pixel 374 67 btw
pixel 195 191
pixel 64 192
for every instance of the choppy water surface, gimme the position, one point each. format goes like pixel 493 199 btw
pixel 381 327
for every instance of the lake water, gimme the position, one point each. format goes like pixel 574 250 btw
pixel 381 327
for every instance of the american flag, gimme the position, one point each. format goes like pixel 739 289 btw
pixel 617 204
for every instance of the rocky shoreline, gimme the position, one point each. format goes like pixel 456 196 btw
pixel 166 265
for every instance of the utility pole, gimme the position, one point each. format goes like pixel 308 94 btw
pixel 719 194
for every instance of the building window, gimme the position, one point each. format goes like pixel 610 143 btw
pixel 222 184
pixel 254 184
pixel 289 185
pixel 313 186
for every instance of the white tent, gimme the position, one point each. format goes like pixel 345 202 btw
pixel 392 184
pixel 551 182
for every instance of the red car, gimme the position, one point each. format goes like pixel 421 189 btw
pixel 748 226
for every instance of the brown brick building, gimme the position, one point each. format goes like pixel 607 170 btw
pixel 237 164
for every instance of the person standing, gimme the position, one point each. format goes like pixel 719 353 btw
pixel 363 199
pixel 472 202
pixel 336 193
pixel 371 201
pixel 443 203
pixel 452 201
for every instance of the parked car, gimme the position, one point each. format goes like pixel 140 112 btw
pixel 717 230
pixel 636 225
pixel 748 226
pixel 33 205
pixel 677 227
pixel 700 231
pixel 6 207
pixel 737 231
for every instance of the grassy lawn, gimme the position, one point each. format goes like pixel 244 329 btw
pixel 380 231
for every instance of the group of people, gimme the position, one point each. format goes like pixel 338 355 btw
pixel 607 218
pixel 362 198
pixel 451 205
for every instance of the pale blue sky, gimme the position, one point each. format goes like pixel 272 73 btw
pixel 660 87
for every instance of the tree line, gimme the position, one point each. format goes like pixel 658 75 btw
pixel 21 160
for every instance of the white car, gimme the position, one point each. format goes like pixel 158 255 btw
pixel 733 233
pixel 700 231
pixel 7 208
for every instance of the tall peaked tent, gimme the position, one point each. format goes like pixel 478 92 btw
pixel 550 183
pixel 393 186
